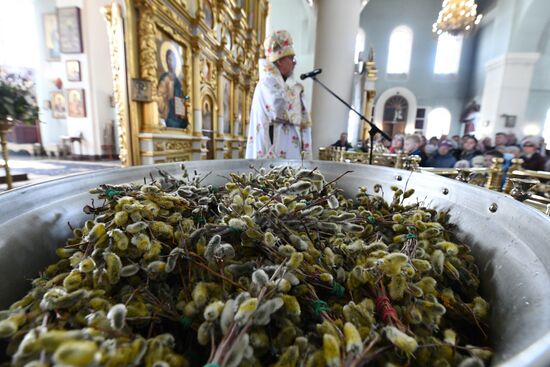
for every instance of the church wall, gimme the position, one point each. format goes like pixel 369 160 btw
pixel 378 20
pixel 516 26
pixel 46 72
pixel 491 40
pixel 96 78
pixel 482 54
pixel 539 98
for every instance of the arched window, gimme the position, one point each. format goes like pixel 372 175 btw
pixel 359 44
pixel 399 54
pixel 546 131
pixel 447 56
pixel 439 122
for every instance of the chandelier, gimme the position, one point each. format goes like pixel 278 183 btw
pixel 456 16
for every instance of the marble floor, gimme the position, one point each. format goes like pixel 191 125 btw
pixel 39 170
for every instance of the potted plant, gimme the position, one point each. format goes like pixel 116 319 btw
pixel 17 104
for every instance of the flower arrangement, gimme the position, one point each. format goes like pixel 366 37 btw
pixel 17 97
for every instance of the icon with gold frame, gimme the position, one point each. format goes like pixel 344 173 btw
pixel 171 88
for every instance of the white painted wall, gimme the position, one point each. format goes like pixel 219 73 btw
pixel 507 85
pixel 96 76
pixel 46 72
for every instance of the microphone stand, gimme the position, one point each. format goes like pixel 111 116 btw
pixel 373 128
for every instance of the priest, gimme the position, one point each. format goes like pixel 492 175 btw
pixel 280 125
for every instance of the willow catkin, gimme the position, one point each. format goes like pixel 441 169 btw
pixel 272 268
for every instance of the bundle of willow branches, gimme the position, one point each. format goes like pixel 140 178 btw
pixel 275 268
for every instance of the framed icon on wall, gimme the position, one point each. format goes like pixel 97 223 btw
pixel 141 90
pixel 58 105
pixel 70 30
pixel 172 85
pixel 77 103
pixel 51 37
pixel 73 71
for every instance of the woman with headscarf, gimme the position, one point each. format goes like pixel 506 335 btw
pixel 280 126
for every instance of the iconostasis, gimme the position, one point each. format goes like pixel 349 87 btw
pixel 184 74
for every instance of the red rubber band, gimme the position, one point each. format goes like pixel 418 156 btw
pixel 385 310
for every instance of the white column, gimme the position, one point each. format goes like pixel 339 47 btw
pixel 337 27
pixel 506 91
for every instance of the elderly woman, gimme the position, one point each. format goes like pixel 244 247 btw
pixel 532 159
pixel 280 126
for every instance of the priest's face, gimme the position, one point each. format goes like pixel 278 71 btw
pixel 286 65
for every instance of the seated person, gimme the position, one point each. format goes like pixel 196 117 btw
pixel 443 158
pixel 469 149
pixel 489 155
pixel 511 140
pixel 462 164
pixel 532 159
pixel 500 141
pixel 487 144
pixel 478 162
pixel 397 143
pixel 342 142
pixel 381 145
pixel 412 147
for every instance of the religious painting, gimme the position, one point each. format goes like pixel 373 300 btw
pixel 207 115
pixel 206 71
pixel 141 90
pixel 73 70
pixel 58 106
pixel 207 109
pixel 510 120
pixel 396 109
pixel 70 31
pixel 172 98
pixel 228 43
pixel 238 111
pixel 470 117
pixel 77 104
pixel 208 17
pixel 226 106
pixel 247 107
pixel 51 37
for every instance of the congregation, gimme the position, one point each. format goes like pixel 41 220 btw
pixel 464 151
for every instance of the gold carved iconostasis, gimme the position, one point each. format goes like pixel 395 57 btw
pixel 184 74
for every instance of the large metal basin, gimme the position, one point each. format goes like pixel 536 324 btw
pixel 511 244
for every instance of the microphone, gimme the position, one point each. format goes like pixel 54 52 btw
pixel 311 74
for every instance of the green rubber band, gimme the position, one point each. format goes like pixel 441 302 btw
pixel 185 322
pixel 110 192
pixel 200 220
pixel 371 219
pixel 410 236
pixel 320 306
pixel 338 290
